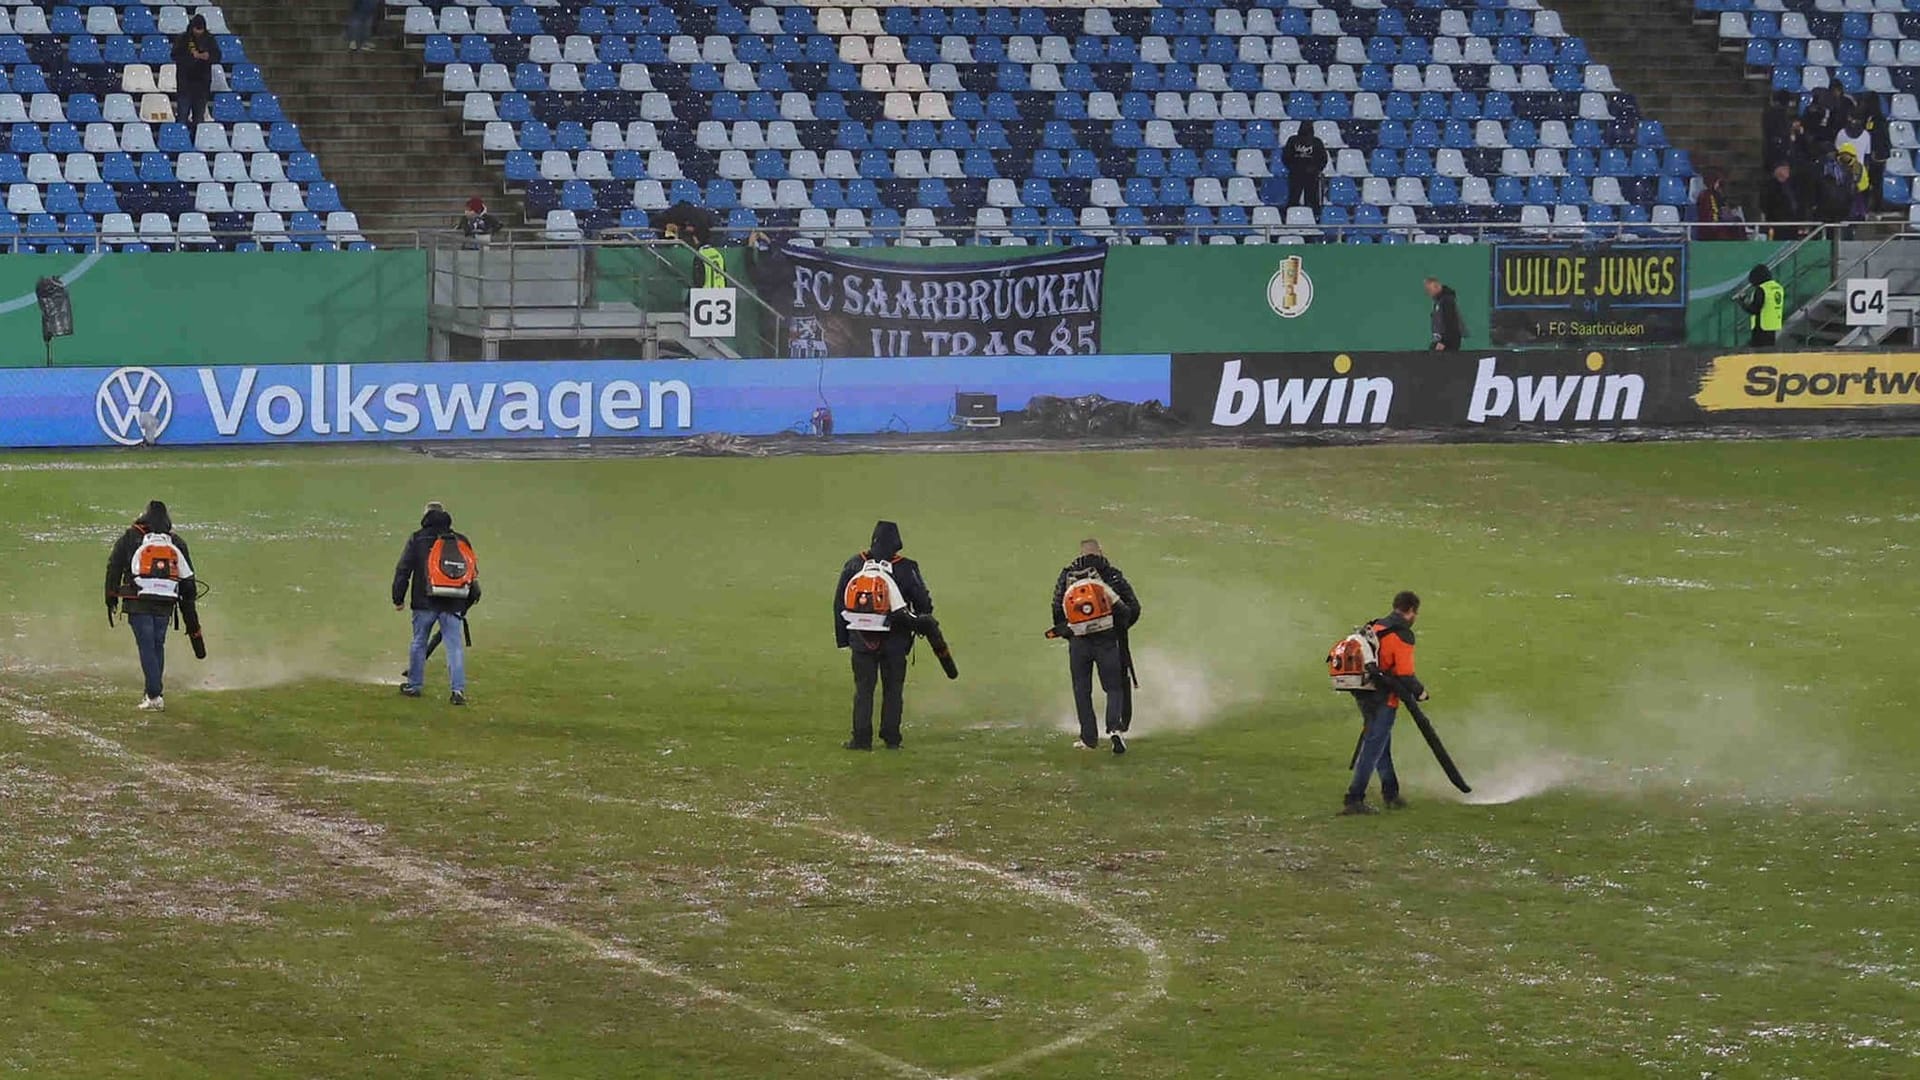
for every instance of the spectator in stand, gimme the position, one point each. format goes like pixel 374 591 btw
pixel 1781 201
pixel 1714 212
pixel 1305 158
pixel 1776 131
pixel 1827 114
pixel 1873 116
pixel 1834 184
pixel 1855 140
pixel 360 20
pixel 194 55
pixel 478 224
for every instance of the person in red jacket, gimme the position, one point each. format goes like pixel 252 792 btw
pixel 1379 707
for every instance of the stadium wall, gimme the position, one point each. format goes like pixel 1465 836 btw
pixel 369 307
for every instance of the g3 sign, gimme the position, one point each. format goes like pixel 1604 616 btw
pixel 711 313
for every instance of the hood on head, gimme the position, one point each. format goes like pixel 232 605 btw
pixel 1083 562
pixel 886 540
pixel 155 518
pixel 436 517
pixel 1759 274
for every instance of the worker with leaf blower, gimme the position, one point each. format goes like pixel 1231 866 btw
pixel 439 578
pixel 1375 664
pixel 880 603
pixel 150 579
pixel 1093 608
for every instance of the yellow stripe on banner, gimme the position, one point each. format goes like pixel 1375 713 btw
pixel 1810 381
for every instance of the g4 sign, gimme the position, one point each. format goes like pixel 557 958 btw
pixel 711 313
pixel 1866 301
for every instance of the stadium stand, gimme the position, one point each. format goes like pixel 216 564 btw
pixel 95 158
pixel 1069 123
pixel 1867 47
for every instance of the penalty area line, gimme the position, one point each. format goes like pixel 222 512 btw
pixel 440 884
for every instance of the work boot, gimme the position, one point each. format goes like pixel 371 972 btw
pixel 1358 809
pixel 457 698
pixel 851 745
pixel 1395 802
pixel 409 691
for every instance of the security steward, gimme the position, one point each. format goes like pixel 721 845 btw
pixel 710 263
pixel 1766 304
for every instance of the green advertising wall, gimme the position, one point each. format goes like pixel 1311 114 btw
pixel 325 307
pixel 256 308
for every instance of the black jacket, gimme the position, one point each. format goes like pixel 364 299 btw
pixel 120 587
pixel 1447 330
pixel 191 72
pixel 885 547
pixel 1129 610
pixel 413 568
pixel 1305 153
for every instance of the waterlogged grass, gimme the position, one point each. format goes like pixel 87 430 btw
pixel 1674 673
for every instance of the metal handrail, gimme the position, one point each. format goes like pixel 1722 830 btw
pixel 1803 323
pixel 657 248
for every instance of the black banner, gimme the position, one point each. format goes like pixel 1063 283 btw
pixel 1540 389
pixel 837 305
pixel 1589 294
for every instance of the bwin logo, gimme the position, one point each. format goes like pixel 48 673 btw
pixel 134 405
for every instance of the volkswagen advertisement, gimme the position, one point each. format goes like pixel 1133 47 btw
pixel 205 406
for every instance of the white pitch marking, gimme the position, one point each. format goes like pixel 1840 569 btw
pixel 441 884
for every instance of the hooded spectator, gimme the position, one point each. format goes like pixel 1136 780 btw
pixel 194 55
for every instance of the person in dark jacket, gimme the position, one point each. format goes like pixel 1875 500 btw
pixel 1445 320
pixel 150 595
pixel 430 612
pixel 1103 650
pixel 880 656
pixel 1305 158
pixel 1378 708
pixel 194 55
pixel 1777 131
pixel 478 223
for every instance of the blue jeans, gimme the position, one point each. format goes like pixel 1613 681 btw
pixel 1376 752
pixel 150 637
pixel 453 641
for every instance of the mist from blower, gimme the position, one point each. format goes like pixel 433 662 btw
pixel 1661 732
pixel 1201 658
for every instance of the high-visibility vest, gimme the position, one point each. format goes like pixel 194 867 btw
pixel 1773 307
pixel 714 268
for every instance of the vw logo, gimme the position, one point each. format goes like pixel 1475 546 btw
pixel 133 405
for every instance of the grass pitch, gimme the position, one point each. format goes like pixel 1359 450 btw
pixel 1680 677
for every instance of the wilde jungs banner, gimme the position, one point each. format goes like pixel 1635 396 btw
pixel 842 305
pixel 1536 388
pixel 1589 294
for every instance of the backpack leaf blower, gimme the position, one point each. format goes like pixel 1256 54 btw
pixel 929 628
pixel 1426 731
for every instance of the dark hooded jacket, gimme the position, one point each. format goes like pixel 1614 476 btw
pixel 120 587
pixel 413 568
pixel 885 547
pixel 1446 327
pixel 1756 277
pixel 190 71
pixel 1129 603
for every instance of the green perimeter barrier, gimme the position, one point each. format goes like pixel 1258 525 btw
pixel 220 308
pixel 363 307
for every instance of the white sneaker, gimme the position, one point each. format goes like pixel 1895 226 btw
pixel 1078 745
pixel 153 704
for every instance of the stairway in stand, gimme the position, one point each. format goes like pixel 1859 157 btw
pixel 1677 71
pixel 377 124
